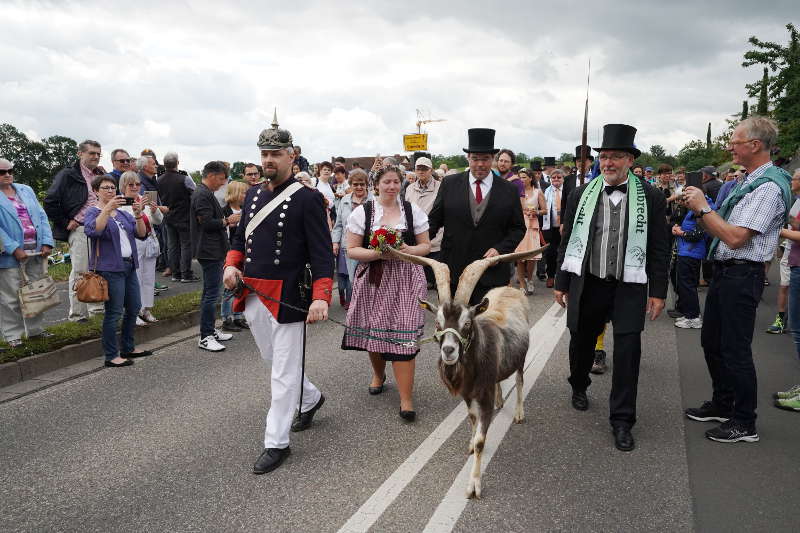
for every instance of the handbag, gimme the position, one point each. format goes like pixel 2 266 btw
pixel 91 287
pixel 36 297
pixel 151 247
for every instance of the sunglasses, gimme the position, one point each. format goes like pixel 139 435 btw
pixel 9 171
pixel 123 160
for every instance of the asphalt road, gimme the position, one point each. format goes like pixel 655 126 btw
pixel 168 445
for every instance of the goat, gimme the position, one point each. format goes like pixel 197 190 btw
pixel 480 345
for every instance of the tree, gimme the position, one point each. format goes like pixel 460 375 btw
pixel 566 157
pixel 745 110
pixel 708 137
pixel 237 170
pixel 522 158
pixel 763 100
pixel 696 154
pixel 36 163
pixel 783 88
pixel 658 152
pixel 452 161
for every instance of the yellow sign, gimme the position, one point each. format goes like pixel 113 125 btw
pixel 415 142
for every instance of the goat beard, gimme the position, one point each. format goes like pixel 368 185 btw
pixel 452 376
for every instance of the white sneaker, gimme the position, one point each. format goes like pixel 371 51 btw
pixel 140 322
pixel 220 336
pixel 689 323
pixel 210 343
pixel 148 316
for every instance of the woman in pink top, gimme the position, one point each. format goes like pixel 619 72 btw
pixel 533 205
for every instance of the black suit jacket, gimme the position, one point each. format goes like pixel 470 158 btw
pixel 630 301
pixel 501 227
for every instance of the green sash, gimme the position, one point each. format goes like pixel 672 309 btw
pixel 634 270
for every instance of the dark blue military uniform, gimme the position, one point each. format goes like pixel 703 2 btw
pixel 273 259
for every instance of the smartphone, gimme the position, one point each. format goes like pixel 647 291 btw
pixel 694 179
pixel 128 201
pixel 152 196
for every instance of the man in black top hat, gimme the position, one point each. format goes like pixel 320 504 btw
pixel 481 215
pixel 549 164
pixel 613 262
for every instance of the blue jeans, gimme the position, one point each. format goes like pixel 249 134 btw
pixel 226 307
pixel 727 335
pixel 123 295
pixel 212 282
pixel 794 306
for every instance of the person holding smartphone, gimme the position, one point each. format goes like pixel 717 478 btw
pixel 148 251
pixel 113 254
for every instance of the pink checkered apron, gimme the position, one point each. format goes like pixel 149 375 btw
pixel 387 311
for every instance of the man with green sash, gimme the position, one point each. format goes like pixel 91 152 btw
pixel 613 262
pixel 745 228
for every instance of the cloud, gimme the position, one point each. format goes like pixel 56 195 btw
pixel 203 78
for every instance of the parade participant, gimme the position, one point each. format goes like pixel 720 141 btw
pixel 549 165
pixel 282 236
pixel 481 216
pixel 613 259
pixel 345 266
pixel 387 292
pixel 573 180
pixel 423 193
pixel 551 223
pixel 533 205
pixel 745 229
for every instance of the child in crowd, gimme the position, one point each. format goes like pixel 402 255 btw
pixel 234 198
pixel 691 243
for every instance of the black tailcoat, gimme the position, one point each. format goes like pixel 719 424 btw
pixel 630 301
pixel 501 227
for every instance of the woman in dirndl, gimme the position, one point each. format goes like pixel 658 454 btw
pixel 533 204
pixel 385 318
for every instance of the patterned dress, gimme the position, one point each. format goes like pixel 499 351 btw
pixel 532 238
pixel 388 310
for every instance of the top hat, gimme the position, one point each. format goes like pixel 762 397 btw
pixel 536 165
pixel 549 161
pixel 481 141
pixel 588 152
pixel 619 137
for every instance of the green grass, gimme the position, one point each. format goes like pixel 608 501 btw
pixel 65 333
pixel 60 271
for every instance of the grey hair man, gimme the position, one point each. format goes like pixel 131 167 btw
pixel 66 203
pixel 175 194
pixel 745 231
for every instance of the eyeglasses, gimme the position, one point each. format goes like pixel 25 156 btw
pixel 108 188
pixel 251 174
pixel 618 156
pixel 3 172
pixel 125 161
pixel 731 144
pixel 135 184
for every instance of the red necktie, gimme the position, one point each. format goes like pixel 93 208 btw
pixel 478 193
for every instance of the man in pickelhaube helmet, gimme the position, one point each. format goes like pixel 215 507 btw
pixel 282 249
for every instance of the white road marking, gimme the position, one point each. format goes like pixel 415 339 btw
pixel 550 325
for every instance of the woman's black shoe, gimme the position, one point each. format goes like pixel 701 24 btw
pixel 409 416
pixel 126 362
pixel 379 388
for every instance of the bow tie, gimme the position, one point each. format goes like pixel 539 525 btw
pixel 623 188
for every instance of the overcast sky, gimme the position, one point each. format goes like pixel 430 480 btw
pixel 202 78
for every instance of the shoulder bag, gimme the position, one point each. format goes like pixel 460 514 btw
pixel 35 297
pixel 91 287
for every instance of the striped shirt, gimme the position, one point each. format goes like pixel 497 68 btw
pixel 608 243
pixel 762 211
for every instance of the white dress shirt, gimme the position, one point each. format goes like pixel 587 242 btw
pixel 616 196
pixel 486 184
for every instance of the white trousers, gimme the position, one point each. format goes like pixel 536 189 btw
pixel 79 257
pixel 11 321
pixel 281 344
pixel 146 274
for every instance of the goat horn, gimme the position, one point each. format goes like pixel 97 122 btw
pixel 469 278
pixel 440 271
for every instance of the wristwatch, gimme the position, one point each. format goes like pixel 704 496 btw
pixel 703 212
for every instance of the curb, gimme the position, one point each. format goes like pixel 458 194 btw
pixel 29 367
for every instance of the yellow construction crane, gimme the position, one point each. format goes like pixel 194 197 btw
pixel 422 120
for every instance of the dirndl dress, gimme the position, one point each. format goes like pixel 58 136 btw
pixel 532 238
pixel 386 311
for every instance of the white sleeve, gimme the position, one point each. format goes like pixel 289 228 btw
pixel 420 219
pixel 355 222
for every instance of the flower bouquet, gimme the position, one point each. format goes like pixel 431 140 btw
pixel 384 238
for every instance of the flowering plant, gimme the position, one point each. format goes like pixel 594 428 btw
pixel 384 237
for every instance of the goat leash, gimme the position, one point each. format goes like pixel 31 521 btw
pixel 242 284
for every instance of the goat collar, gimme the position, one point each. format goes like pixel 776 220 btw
pixel 464 342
